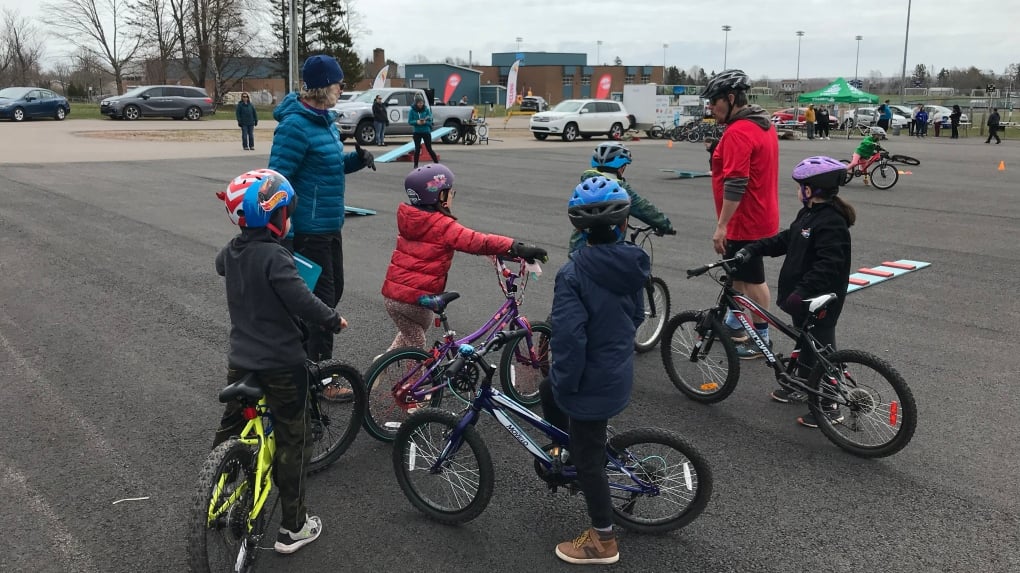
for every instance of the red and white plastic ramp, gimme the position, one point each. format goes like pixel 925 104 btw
pixel 869 276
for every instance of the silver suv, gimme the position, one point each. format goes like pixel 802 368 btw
pixel 178 102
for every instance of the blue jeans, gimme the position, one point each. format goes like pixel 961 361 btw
pixel 248 136
pixel 380 131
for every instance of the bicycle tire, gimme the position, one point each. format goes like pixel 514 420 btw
pixel 849 174
pixel 656 132
pixel 696 135
pixel 646 338
pixel 695 475
pixel 383 415
pixel 866 406
pixel 905 159
pixel 679 134
pixel 218 546
pixel 883 176
pixel 516 372
pixel 406 461
pixel 328 446
pixel 712 377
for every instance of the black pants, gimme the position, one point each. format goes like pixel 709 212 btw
pixel 286 392
pixel 248 136
pixel 425 138
pixel 327 251
pixel 587 453
pixel 822 129
pixel 883 123
pixel 956 131
pixel 993 131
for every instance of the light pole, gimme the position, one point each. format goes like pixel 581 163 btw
pixel 903 72
pixel 519 40
pixel 858 62
pixel 598 46
pixel 726 44
pixel 664 48
pixel 796 109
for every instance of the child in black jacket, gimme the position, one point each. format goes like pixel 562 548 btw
pixel 817 249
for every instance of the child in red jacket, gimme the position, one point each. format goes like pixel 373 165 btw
pixel 428 237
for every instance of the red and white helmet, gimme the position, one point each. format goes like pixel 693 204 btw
pixel 233 196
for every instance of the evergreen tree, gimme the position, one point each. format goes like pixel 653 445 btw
pixel 322 28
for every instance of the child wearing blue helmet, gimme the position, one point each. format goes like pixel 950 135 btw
pixel 265 295
pixel 597 306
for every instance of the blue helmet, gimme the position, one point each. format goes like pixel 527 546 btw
pixel 251 199
pixel 597 202
pixel 612 155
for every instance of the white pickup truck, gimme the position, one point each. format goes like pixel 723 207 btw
pixel 354 117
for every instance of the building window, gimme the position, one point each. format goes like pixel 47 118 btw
pixel 646 79
pixel 586 80
pixel 628 79
pixel 568 80
pixel 503 80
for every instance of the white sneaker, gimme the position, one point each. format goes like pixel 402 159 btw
pixel 288 541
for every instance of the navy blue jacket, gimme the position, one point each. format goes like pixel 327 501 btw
pixel 597 307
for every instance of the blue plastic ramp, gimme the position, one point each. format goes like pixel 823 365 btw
pixel 870 276
pixel 357 211
pixel 682 174
pixel 391 156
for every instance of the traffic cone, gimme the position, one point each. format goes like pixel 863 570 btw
pixel 669 144
pixel 1002 166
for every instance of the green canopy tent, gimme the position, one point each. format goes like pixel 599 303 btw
pixel 838 91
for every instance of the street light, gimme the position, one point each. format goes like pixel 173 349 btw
pixel 664 48
pixel 796 109
pixel 598 46
pixel 858 62
pixel 519 40
pixel 903 72
pixel 726 44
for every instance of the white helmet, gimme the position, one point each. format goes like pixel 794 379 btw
pixel 875 130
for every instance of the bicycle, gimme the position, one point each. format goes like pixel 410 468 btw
pixel 879 168
pixel 405 379
pixel 708 369
pixel 648 468
pixel 229 515
pixel 656 299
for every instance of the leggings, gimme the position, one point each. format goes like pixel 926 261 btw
pixel 412 321
pixel 425 138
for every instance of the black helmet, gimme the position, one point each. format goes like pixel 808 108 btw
pixel 725 82
pixel 612 154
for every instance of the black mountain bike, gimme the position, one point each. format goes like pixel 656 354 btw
pixel 876 411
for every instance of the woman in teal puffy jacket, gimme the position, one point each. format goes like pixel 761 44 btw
pixel 421 118
pixel 307 151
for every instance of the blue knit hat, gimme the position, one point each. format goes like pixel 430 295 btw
pixel 320 71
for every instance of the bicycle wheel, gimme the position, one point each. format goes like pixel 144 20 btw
pixel 461 488
pixel 335 424
pixel 384 413
pixel 665 460
pixel 656 301
pixel 904 159
pixel 696 135
pixel 519 376
pixel 702 365
pixel 219 538
pixel 849 174
pixel 881 416
pixel 884 176
pixel 656 132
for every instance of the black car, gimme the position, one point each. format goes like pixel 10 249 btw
pixel 178 102
pixel 534 103
pixel 19 104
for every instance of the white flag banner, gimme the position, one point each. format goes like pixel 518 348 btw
pixel 380 78
pixel 511 85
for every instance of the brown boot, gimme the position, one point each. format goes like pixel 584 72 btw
pixel 590 548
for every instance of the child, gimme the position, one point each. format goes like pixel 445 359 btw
pixel 817 249
pixel 921 120
pixel 265 296
pixel 597 306
pixel 429 235
pixel 610 160
pixel 868 146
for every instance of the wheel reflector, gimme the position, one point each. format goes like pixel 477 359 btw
pixel 894 410
pixel 709 386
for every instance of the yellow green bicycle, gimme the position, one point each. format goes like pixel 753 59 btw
pixel 229 515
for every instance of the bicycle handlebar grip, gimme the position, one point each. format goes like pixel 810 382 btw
pixel 456 366
pixel 698 271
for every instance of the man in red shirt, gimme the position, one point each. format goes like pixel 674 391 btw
pixel 745 183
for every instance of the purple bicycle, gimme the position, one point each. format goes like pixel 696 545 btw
pixel 406 379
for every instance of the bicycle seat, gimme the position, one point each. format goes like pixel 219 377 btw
pixel 819 302
pixel 437 303
pixel 246 388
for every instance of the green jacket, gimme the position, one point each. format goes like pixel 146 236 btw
pixel 866 148
pixel 641 208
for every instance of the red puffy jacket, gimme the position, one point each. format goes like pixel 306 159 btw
pixel 426 243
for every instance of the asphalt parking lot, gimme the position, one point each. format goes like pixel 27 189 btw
pixel 113 333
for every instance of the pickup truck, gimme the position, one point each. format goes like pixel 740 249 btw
pixel 354 117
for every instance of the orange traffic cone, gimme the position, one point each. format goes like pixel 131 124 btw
pixel 1002 166
pixel 669 144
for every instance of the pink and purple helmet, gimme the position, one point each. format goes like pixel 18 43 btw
pixel 822 174
pixel 424 184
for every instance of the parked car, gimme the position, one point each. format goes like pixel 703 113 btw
pixel 785 115
pixel 348 96
pixel 534 103
pixel 581 117
pixel 939 113
pixel 869 116
pixel 178 102
pixel 354 117
pixel 19 104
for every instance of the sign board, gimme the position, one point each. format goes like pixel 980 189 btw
pixel 679 90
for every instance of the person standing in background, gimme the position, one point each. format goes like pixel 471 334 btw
pixel 247 119
pixel 954 121
pixel 993 126
pixel 809 120
pixel 379 120
pixel 822 122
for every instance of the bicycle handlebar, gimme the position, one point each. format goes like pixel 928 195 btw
pixel 725 263
pixel 466 352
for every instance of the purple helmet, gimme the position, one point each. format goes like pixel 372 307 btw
pixel 424 184
pixel 822 174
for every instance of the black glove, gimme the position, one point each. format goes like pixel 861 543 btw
pixel 365 156
pixel 669 231
pixel 742 256
pixel 794 304
pixel 530 253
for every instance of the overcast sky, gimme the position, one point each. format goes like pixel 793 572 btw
pixel 763 41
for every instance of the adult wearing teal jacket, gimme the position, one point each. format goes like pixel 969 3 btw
pixel 421 118
pixel 307 150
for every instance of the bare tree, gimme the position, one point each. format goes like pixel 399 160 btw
pixel 214 40
pixel 101 27
pixel 159 35
pixel 20 50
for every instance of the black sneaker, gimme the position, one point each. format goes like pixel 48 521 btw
pixel 735 334
pixel 808 420
pixel 784 396
pixel 290 541
pixel 750 351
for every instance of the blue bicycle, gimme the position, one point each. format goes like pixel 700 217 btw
pixel 657 480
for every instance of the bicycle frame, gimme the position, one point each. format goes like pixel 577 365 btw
pixel 257 433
